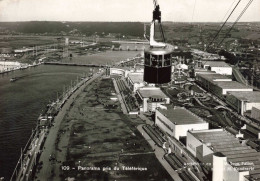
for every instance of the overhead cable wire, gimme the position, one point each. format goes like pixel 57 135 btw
pixel 228 10
pixel 238 18
pixel 193 11
pixel 224 23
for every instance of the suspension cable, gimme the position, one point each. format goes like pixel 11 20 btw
pixel 224 23
pixel 193 11
pixel 238 18
pixel 228 11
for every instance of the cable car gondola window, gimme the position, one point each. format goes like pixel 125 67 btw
pixel 154 60
pixel 147 59
pixel 167 59
pixel 160 61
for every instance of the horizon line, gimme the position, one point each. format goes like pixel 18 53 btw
pixel 125 21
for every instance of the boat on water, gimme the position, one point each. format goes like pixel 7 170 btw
pixel 13 79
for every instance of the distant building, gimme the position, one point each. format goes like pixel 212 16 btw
pixel 243 101
pixel 176 121
pixel 151 98
pixel 23 50
pixel 9 65
pixel 226 155
pixel 135 81
pixel 219 67
pixel 119 71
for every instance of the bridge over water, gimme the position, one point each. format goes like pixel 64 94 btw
pixel 75 64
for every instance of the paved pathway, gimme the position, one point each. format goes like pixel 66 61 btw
pixel 159 153
pixel 123 106
pixel 48 171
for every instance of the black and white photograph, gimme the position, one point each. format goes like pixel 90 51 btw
pixel 129 90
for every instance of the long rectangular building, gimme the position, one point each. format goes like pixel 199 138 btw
pixel 219 85
pixel 176 121
pixel 229 158
pixel 219 67
pixel 207 80
pixel 243 101
pixel 223 87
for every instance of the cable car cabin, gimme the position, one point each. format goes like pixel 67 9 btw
pixel 157 65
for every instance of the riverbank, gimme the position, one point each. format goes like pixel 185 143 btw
pixel 30 156
pixel 24 100
pixel 94 133
pixel 50 149
pixel 19 68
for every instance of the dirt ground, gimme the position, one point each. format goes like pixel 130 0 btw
pixel 104 144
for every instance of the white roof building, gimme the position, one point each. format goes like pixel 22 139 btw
pixel 229 159
pixel 176 121
pixel 219 67
pixel 135 80
pixel 151 98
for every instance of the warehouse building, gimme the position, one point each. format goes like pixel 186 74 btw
pixel 207 80
pixel 219 85
pixel 219 67
pixel 135 81
pixel 150 98
pixel 176 121
pixel 221 88
pixel 243 101
pixel 229 158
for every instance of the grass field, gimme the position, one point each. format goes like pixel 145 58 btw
pixel 103 137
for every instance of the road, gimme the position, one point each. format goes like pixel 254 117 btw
pixel 159 153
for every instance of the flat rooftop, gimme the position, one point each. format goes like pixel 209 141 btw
pixel 215 63
pixel 136 77
pixel 202 70
pixel 214 76
pixel 251 96
pixel 231 85
pixel 147 92
pixel 219 140
pixel 180 115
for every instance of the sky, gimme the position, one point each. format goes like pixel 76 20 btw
pixel 125 10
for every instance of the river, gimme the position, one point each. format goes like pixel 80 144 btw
pixel 22 101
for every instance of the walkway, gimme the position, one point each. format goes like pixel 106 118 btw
pixel 159 153
pixel 123 106
pixel 48 170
